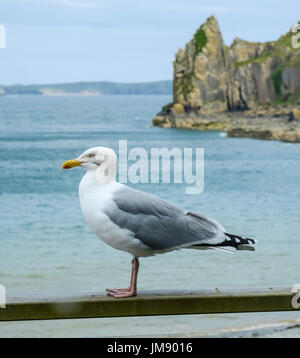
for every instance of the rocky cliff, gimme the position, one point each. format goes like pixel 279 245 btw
pixel 212 80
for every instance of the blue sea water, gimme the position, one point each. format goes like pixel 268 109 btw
pixel 46 249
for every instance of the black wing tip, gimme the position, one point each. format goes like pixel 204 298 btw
pixel 236 240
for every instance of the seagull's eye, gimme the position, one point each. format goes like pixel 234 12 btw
pixel 91 155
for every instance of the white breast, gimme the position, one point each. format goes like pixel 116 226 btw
pixel 95 198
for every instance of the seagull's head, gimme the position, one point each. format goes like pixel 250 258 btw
pixel 101 160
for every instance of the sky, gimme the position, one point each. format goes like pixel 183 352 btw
pixel 56 41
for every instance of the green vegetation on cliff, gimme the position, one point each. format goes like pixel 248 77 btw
pixel 200 40
pixel 281 48
pixel 284 56
pixel 187 86
pixel 277 81
pixel 257 59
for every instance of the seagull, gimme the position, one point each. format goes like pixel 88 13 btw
pixel 140 223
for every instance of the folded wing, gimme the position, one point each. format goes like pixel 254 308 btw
pixel 160 224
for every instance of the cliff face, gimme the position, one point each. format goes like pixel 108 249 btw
pixel 201 78
pixel 211 78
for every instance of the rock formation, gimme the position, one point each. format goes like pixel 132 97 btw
pixel 212 79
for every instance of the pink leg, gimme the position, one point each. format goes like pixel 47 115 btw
pixel 132 289
pixel 117 290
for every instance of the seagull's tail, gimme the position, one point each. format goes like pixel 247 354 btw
pixel 238 242
pixel 230 244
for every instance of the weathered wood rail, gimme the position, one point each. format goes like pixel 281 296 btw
pixel 150 304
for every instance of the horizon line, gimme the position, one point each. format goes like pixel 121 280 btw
pixel 82 81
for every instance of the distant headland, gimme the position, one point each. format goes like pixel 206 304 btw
pixel 90 89
pixel 249 89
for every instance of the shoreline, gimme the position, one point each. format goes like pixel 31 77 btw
pixel 272 123
pixel 285 329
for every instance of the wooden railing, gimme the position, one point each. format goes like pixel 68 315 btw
pixel 150 304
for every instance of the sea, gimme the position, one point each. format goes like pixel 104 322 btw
pixel 252 187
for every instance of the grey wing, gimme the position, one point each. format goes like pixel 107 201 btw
pixel 160 224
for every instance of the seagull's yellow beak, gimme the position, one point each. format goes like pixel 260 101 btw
pixel 71 164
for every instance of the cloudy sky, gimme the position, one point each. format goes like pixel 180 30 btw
pixel 50 41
